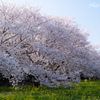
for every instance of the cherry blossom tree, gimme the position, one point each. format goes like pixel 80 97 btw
pixel 54 50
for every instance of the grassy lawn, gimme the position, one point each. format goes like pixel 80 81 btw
pixel 86 90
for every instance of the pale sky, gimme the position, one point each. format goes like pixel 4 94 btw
pixel 86 13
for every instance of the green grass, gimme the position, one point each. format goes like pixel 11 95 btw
pixel 86 90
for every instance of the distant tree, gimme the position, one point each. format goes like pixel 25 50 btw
pixel 52 49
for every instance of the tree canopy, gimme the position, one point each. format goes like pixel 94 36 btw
pixel 53 49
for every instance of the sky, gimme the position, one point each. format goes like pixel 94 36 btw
pixel 86 13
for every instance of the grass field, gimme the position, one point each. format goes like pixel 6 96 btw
pixel 86 90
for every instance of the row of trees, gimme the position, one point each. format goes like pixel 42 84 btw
pixel 50 48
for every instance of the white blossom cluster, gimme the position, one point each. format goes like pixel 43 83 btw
pixel 52 49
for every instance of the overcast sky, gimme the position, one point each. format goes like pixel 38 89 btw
pixel 86 13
